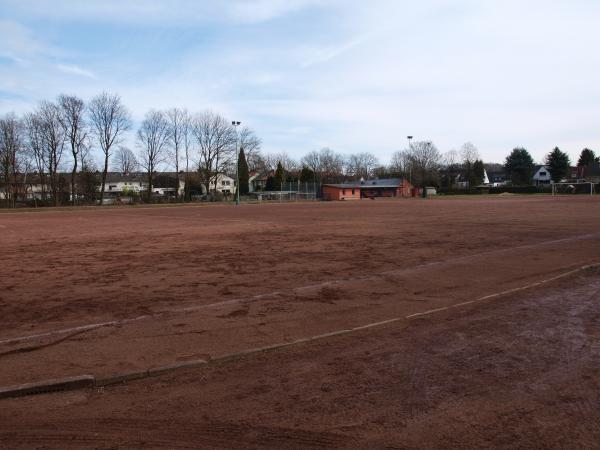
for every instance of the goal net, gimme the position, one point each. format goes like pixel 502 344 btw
pixel 578 188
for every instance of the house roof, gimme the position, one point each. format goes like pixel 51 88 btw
pixel 115 177
pixel 379 183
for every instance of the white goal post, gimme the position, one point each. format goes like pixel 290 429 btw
pixel 572 188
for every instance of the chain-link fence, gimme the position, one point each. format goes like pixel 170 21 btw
pixel 290 191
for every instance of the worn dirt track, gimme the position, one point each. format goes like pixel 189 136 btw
pixel 207 281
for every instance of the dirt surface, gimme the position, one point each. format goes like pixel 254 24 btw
pixel 158 286
pixel 518 372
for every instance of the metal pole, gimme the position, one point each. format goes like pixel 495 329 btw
pixel 237 164
pixel 410 166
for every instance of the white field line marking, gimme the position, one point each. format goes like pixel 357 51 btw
pixel 397 319
pixel 281 345
pixel 508 291
pixel 301 288
pixel 425 313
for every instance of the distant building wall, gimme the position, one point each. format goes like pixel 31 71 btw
pixel 337 193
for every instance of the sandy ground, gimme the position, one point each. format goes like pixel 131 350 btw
pixel 201 282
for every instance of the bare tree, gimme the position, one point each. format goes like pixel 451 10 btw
pixel 153 137
pixel 110 120
pixel 53 141
pixel 36 148
pixel 251 145
pixel 258 163
pixel 450 158
pixel 312 160
pixel 86 158
pixel 72 110
pixel 271 161
pixel 179 138
pixel 450 166
pixel 332 165
pixel 360 165
pixel 11 146
pixel 327 165
pixel 469 153
pixel 125 161
pixel 424 159
pixel 216 141
pixel 401 164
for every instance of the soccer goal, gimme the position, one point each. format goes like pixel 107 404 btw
pixel 580 187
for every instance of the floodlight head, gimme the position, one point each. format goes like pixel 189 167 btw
pixel 409 137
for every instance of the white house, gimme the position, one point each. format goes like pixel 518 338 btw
pixel 225 184
pixel 163 184
pixel 541 175
pixel 118 184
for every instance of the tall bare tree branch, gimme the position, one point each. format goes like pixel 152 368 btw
pixel 216 140
pixel 153 137
pixel 125 161
pixel 179 138
pixel 110 120
pixel 11 146
pixel 72 111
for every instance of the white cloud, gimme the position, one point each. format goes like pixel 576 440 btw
pixel 75 70
pixel 325 54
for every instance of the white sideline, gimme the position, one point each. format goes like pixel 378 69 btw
pixel 254 298
pixel 508 291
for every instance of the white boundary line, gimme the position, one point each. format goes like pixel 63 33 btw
pixel 161 313
pixel 507 292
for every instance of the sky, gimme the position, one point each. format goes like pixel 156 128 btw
pixel 352 75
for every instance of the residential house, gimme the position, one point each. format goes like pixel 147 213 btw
pixel 31 186
pixel 122 184
pixel 258 180
pixel 541 175
pixel 498 178
pixel 226 184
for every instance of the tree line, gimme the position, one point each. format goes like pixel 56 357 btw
pixel 519 164
pixel 62 134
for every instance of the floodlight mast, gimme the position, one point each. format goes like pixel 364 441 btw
pixel 410 167
pixel 235 124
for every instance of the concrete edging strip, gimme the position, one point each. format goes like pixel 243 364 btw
pixel 42 387
pixel 154 371
pixel 121 378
